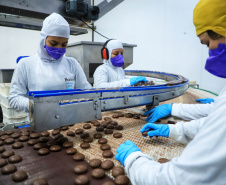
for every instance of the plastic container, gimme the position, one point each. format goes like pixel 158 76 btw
pixel 4 89
pixel 13 113
pixel 8 120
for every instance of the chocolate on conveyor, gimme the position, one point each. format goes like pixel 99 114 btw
pixel 25 133
pixel 107 165
pixel 4 137
pixel 119 127
pixel 3 162
pixel 32 142
pixel 7 153
pixel 102 141
pixel 97 135
pixel 136 116
pixel 71 151
pixel 68 144
pixel 17 145
pixel 79 131
pixel 70 133
pixel 85 145
pixel 43 151
pixel 82 180
pixel 108 119
pixel 64 128
pixel 1 143
pixel 15 135
pixel 87 126
pixel 44 134
pixel 98 173
pixel 23 138
pixel 62 140
pixel 43 139
pixel 163 160
pixel 9 132
pixel 121 180
pixel 2 149
pixel 34 135
pixel 40 181
pixel 128 115
pixel 107 154
pixel 19 176
pixel 15 159
pixel 120 114
pixel 51 143
pixel 115 116
pixel 25 129
pixel 108 183
pixel 55 131
pixel 78 157
pixel 84 135
pixel 110 126
pixel 117 135
pixel 55 148
pixel 145 133
pixel 104 147
pixel 115 123
pixel 88 140
pixel 108 131
pixel 80 168
pixel 8 169
pixel 100 129
pixel 95 163
pixel 117 171
pixel 39 146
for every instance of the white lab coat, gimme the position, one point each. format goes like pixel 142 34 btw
pixel 203 161
pixel 41 72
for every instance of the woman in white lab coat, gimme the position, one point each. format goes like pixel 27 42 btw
pixel 203 161
pixel 111 74
pixel 49 69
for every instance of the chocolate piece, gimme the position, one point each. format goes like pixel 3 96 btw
pixel 43 139
pixel 136 116
pixel 171 122
pixel 7 154
pixel 119 127
pixel 1 143
pixel 80 168
pixel 107 165
pixel 25 129
pixel 105 147
pixel 23 138
pixel 4 137
pixel 94 122
pixel 145 133
pixel 19 176
pixel 24 133
pixel 100 129
pixel 78 157
pixel 108 119
pixel 15 159
pixel 102 141
pixel 98 173
pixel 82 180
pixel 121 180
pixel 58 136
pixel 62 140
pixel 43 151
pixel 9 132
pixel 84 135
pixel 34 135
pixel 163 160
pixel 8 169
pixel 15 135
pixel 55 148
pixel 32 142
pixel 97 124
pixel 39 146
pixel 88 140
pixel 51 143
pixel 108 131
pixel 107 154
pixel 108 183
pixel 128 115
pixel 40 181
pixel 117 171
pixel 95 163
pixel 117 135
pixel 3 162
pixel 44 134
pixel 110 126
pixel 115 116
pixel 17 145
pixel 64 128
pixel 115 123
pixel 55 131
pixel 70 133
pixel 79 131
pixel 2 149
pixel 104 124
pixel 2 133
pixel 68 144
pixel 120 114
pixel 85 145
pixel 87 126
pixel 71 151
pixel 97 135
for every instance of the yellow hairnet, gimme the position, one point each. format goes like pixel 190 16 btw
pixel 210 15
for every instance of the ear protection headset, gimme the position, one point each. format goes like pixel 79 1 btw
pixel 104 50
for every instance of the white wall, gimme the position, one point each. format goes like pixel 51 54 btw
pixel 162 29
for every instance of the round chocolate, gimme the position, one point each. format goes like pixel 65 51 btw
pixel 2 133
pixel 15 159
pixel 88 140
pixel 9 132
pixel 51 143
pixel 87 126
pixel 9 141
pixel 34 135
pixel 1 143
pixel 64 128
pixel 95 163
pixel 107 154
pixel 32 142
pixel 145 133
pixel 107 119
pixel 62 140
pixel 2 149
pixel 7 154
pixel 19 176
pixel 98 173
pixel 94 122
pixel 55 131
pixel 120 114
pixel 85 145
pixel 68 144
pixel 117 135
pixel 38 146
pixel 108 183
pixel 25 129
pixel 40 181
pixel 23 138
pixel 15 135
pixel 70 133
pixel 71 151
pixel 107 165
pixel 119 127
pixel 58 136
pixel 163 160
pixel 104 125
pixel 43 139
pixel 117 171
pixel 44 134
pixel 136 116
pixel 100 129
pixel 105 147
pixel 97 135
pixel 128 115
pixel 115 123
pixel 102 141
pixel 8 169
pixel 4 137
pixel 17 145
pixel 115 116
pixel 82 180
pixel 78 157
pixel 79 131
pixel 3 162
pixel 121 180
pixel 80 168
pixel 108 131
pixel 97 124
pixel 43 151
pixel 24 133
pixel 55 148
pixel 110 126
pixel 84 135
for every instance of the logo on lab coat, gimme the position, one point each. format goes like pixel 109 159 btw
pixel 70 83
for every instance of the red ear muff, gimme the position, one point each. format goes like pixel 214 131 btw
pixel 105 53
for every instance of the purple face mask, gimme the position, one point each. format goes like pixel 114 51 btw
pixel 56 53
pixel 216 63
pixel 117 61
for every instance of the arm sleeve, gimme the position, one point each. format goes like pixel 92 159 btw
pixel 101 80
pixel 18 91
pixel 191 111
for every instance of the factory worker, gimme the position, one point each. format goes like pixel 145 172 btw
pixel 203 161
pixel 111 73
pixel 49 69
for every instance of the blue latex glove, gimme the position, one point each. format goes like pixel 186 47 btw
pixel 205 100
pixel 156 129
pixel 136 79
pixel 159 112
pixel 124 150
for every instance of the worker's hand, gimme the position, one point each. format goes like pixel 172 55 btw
pixel 124 150
pixel 156 129
pixel 136 79
pixel 158 112
pixel 205 100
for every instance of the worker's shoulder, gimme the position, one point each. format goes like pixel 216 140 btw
pixel 27 61
pixel 101 67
